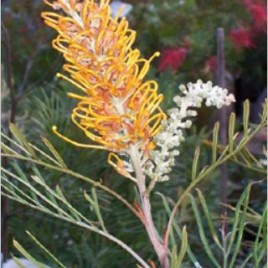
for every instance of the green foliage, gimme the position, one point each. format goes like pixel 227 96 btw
pixel 29 187
pixel 26 41
pixel 55 178
pixel 191 24
pixel 229 244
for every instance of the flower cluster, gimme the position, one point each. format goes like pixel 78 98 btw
pixel 163 158
pixel 245 36
pixel 241 38
pixel 116 108
pixel 172 58
pixel 258 12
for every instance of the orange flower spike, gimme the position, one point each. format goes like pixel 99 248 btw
pixel 116 109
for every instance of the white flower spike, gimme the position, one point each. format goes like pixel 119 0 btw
pixel 163 158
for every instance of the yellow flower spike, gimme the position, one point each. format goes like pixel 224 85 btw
pixel 116 109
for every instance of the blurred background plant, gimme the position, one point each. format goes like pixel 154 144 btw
pixel 185 34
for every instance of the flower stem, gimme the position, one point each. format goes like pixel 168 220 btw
pixel 146 207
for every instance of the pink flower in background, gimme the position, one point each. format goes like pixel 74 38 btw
pixel 258 12
pixel 241 38
pixel 172 58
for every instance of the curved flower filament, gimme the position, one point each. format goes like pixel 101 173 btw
pixel 118 164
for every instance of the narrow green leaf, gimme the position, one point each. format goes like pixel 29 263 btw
pixel 38 243
pixel 251 158
pixel 38 180
pixel 74 212
pixel 18 262
pixel 17 192
pixel 19 171
pixel 202 232
pixel 174 257
pixel 54 152
pixel 184 244
pixel 59 192
pixel 261 230
pixel 215 139
pixel 264 113
pixel 48 193
pixel 246 110
pixel 97 208
pixel 21 139
pixel 231 130
pixel 168 210
pixel 7 150
pixel 45 155
pixel 241 227
pixel 209 219
pixel 247 259
pixel 195 162
pixel 244 156
pixel 38 193
pixel 178 231
pixel 89 199
pixel 26 254
pixel 18 179
pixel 234 230
pixel 12 142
